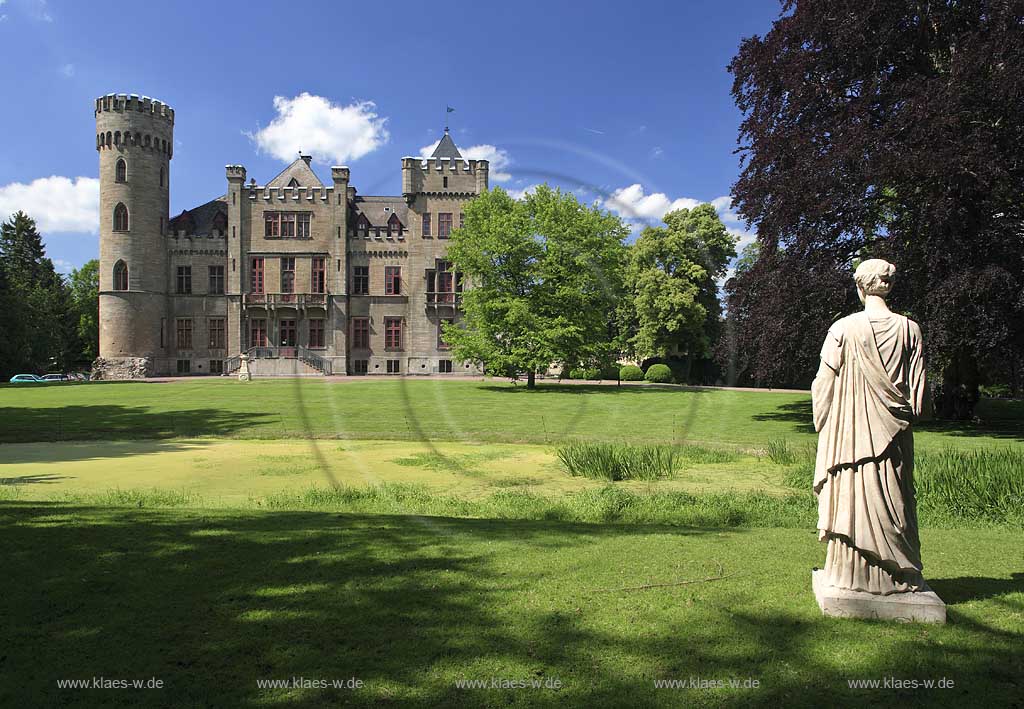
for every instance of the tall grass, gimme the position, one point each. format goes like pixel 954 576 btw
pixel 975 485
pixel 618 461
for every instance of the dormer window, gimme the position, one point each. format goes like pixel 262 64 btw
pixel 362 225
pixel 395 226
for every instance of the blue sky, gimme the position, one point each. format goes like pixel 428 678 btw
pixel 627 103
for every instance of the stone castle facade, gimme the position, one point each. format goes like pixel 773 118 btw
pixel 306 278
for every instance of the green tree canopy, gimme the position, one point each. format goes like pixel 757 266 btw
pixel 85 305
pixel 545 276
pixel 673 306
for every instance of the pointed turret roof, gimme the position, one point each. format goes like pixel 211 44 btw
pixel 446 148
pixel 300 171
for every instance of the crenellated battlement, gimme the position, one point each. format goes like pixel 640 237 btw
pixel 289 194
pixel 123 103
pixel 444 166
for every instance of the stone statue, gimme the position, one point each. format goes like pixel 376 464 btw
pixel 869 389
pixel 243 369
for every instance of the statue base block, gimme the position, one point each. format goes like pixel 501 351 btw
pixel 912 607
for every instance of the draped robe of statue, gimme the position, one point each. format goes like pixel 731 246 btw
pixel 869 388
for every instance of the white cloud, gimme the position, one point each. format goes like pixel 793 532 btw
pixel 631 203
pixel 498 158
pixel 331 133
pixel 67 70
pixel 519 194
pixel 657 151
pixel 63 266
pixel 58 204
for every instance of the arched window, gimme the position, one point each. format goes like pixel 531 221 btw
pixel 117 137
pixel 147 141
pixel 120 217
pixel 110 138
pixel 161 177
pixel 120 276
pixel 121 171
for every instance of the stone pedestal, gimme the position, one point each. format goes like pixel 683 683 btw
pixel 919 606
pixel 244 375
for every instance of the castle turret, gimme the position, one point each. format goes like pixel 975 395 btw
pixel 135 140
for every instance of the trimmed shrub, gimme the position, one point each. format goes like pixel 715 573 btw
pixel 592 373
pixel 631 373
pixel 658 374
pixel 577 373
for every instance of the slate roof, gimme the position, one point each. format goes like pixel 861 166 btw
pixel 300 171
pixel 378 210
pixel 199 221
pixel 446 148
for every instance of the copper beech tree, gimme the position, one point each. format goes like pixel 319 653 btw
pixel 883 129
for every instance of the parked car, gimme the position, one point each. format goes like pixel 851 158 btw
pixel 56 378
pixel 25 379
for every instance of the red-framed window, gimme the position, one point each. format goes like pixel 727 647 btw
pixel 258 332
pixel 392 333
pixel 426 225
pixel 256 281
pixel 286 225
pixel 287 274
pixel 316 333
pixel 444 225
pixel 319 274
pixel 392 280
pixel 360 333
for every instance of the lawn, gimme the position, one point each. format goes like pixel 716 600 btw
pixel 432 409
pixel 412 534
pixel 211 602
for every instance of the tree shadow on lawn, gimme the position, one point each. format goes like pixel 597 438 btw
pixel 610 388
pixel 998 419
pixel 210 602
pixel 116 422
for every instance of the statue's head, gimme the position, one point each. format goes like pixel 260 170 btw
pixel 874 277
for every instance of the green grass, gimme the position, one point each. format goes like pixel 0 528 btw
pixel 618 461
pixel 210 601
pixel 422 409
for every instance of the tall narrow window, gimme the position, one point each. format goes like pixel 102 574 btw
pixel 445 283
pixel 426 225
pixel 392 333
pixel 184 332
pixel 462 220
pixel 445 184
pixel 287 274
pixel 360 280
pixel 444 225
pixel 161 177
pixel 216 280
pixel 316 333
pixel 258 332
pixel 256 278
pixel 271 224
pixel 216 328
pixel 392 280
pixel 360 333
pixel 287 225
pixel 121 171
pixel 319 274
pixel 120 276
pixel 120 217
pixel 302 225
pixel 184 280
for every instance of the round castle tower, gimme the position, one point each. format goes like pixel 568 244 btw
pixel 135 140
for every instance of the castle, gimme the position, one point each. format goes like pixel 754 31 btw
pixel 306 278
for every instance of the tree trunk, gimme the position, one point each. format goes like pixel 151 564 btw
pixel 531 379
pixel 958 393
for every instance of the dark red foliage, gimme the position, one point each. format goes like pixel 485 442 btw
pixel 886 128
